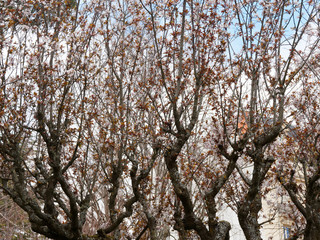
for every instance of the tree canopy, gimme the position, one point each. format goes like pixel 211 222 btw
pixel 140 119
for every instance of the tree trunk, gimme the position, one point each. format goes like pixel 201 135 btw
pixel 222 231
pixel 312 231
pixel 248 218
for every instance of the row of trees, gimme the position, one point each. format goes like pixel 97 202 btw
pixel 138 119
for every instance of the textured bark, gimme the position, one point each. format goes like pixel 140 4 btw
pixel 312 231
pixel 311 209
pixel 248 218
pixel 222 231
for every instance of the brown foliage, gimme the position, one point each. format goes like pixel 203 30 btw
pixel 142 119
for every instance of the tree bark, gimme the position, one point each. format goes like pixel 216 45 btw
pixel 312 231
pixel 248 218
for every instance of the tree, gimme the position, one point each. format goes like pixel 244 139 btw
pixel 300 177
pixel 271 77
pixel 133 118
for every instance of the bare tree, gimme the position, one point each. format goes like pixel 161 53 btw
pixel 300 177
pixel 136 118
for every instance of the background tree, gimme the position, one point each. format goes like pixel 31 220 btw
pixel 300 176
pixel 270 63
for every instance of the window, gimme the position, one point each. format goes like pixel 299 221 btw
pixel 286 232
